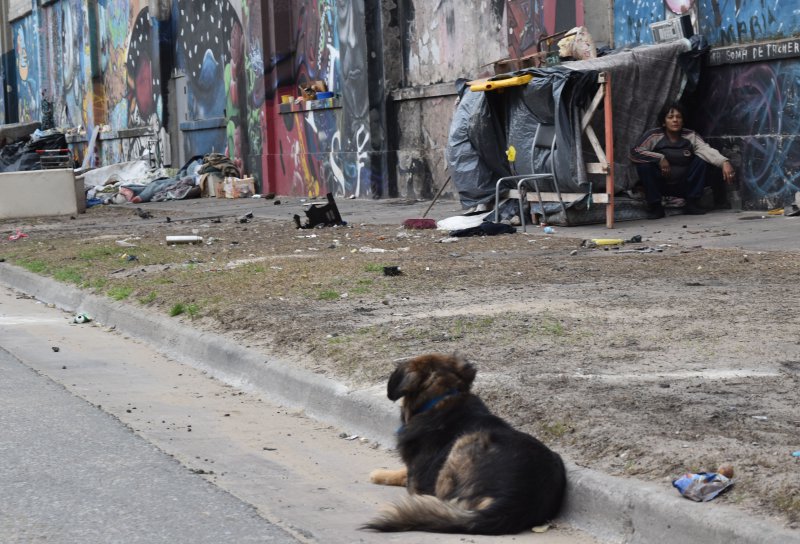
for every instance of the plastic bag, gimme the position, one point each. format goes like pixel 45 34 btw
pixel 703 486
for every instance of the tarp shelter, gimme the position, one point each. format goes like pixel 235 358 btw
pixel 486 123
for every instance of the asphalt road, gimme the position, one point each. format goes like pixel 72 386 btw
pixel 106 440
pixel 72 473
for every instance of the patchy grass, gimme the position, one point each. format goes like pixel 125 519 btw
pixel 148 298
pixel 68 275
pixel 328 294
pixel 179 308
pixel 33 265
pixel 119 292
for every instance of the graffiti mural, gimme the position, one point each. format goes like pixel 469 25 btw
pixel 632 20
pixel 144 84
pixel 317 151
pixel 210 50
pixel 254 87
pixel 726 22
pixel 530 20
pixel 114 24
pixel 755 107
pixel 27 54
pixel 526 25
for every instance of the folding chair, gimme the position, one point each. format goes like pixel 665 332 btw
pixel 543 139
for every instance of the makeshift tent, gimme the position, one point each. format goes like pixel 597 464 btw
pixel 486 123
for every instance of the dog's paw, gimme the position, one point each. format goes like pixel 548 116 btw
pixel 383 476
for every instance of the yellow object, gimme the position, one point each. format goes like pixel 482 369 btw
pixel 286 99
pixel 776 211
pixel 608 241
pixel 511 153
pixel 499 82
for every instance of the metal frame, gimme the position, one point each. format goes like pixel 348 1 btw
pixel 604 164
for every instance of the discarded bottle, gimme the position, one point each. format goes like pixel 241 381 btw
pixel 187 239
pixel 735 199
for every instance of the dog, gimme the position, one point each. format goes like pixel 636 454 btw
pixel 466 469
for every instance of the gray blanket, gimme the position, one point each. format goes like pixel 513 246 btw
pixel 643 79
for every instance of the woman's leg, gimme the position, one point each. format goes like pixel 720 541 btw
pixel 653 182
pixel 696 178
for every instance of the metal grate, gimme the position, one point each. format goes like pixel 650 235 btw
pixel 50 159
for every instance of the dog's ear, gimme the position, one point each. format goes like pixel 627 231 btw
pixel 465 370
pixel 401 381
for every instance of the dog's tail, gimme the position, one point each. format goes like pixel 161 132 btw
pixel 425 513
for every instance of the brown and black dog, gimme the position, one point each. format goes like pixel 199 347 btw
pixel 467 470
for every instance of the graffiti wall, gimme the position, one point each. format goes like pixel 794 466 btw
pixel 726 22
pixel 750 112
pixel 530 20
pixel 632 20
pixel 26 49
pixel 323 150
pixel 66 81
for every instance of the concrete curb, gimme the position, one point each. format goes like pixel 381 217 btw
pixel 610 508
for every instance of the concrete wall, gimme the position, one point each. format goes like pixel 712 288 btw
pixel 40 193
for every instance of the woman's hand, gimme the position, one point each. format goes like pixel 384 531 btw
pixel 663 164
pixel 728 173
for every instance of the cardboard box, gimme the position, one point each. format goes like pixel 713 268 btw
pixel 237 187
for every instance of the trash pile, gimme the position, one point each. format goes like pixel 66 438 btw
pixel 211 175
pixel 27 151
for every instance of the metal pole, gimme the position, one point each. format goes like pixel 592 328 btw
pixel 609 123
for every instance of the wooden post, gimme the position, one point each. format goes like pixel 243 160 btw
pixel 609 123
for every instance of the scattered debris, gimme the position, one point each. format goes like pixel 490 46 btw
pixel 419 224
pixel 56 349
pixel 81 318
pixel 600 242
pixel 726 470
pixel 246 217
pixel 392 271
pixel 326 215
pixel 703 486
pixel 486 228
pixel 549 230
pixel 184 239
pixel 17 235
pixel 143 214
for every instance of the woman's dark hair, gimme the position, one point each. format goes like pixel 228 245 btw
pixel 677 106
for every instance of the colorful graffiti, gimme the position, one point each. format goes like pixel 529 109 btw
pixel 27 54
pixel 210 50
pixel 325 150
pixel 632 20
pixel 726 22
pixel 142 69
pixel 525 25
pixel 751 110
pixel 530 20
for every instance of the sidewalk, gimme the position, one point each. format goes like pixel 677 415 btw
pixel 612 509
pixel 748 230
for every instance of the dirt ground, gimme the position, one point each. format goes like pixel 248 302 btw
pixel 642 365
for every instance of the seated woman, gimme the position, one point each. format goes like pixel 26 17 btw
pixel 672 160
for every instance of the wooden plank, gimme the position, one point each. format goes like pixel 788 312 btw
pixel 587 116
pixel 531 196
pixel 597 168
pixel 598 150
